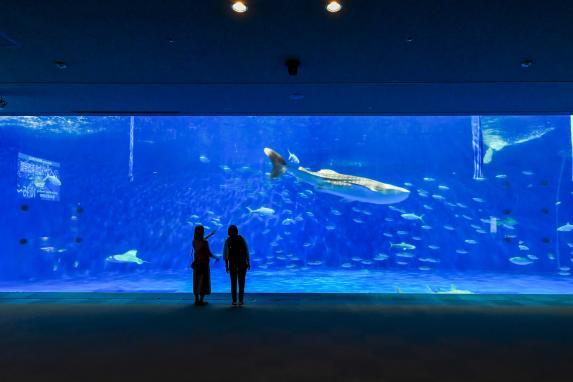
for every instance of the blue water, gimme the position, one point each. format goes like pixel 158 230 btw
pixel 81 203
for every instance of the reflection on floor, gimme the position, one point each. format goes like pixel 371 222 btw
pixel 310 337
pixel 312 281
pixel 378 301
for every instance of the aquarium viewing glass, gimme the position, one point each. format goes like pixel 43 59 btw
pixel 453 204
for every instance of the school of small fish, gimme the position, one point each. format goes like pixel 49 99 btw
pixel 294 226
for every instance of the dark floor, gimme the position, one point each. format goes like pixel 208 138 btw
pixel 161 337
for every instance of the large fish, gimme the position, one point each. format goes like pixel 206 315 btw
pixel 499 133
pixel 127 257
pixel 349 187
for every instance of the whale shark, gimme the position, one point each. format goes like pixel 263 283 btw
pixel 348 187
pixel 127 257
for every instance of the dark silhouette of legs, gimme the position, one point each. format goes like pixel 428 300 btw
pixel 242 274
pixel 234 275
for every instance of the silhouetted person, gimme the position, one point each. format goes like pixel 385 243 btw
pixel 200 265
pixel 236 255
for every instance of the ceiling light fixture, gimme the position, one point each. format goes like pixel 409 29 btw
pixel 526 63
pixel 333 6
pixel 239 7
pixel 60 64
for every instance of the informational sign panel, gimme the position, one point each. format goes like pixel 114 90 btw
pixel 38 178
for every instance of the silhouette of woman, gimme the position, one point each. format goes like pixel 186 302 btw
pixel 200 265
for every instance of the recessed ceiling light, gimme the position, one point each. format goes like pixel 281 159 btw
pixel 333 6
pixel 239 7
pixel 60 64
pixel 526 63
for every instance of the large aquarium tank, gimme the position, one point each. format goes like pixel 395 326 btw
pixel 329 204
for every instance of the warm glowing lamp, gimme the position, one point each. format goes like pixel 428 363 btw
pixel 239 7
pixel 333 6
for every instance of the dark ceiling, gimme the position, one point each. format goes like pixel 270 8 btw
pixel 198 57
